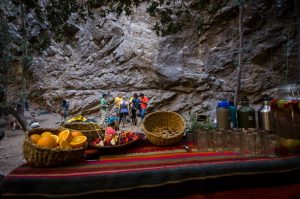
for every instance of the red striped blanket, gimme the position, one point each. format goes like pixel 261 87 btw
pixel 148 168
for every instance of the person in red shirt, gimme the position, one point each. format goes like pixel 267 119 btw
pixel 144 103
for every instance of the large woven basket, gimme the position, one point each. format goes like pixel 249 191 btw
pixel 43 157
pixel 90 130
pixel 162 119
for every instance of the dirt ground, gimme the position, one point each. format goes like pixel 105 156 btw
pixel 11 153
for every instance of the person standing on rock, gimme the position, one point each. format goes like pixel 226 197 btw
pixel 144 104
pixel 65 109
pixel 26 105
pixel 124 111
pixel 135 105
pixel 117 103
pixel 103 108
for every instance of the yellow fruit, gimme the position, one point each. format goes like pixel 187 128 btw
pixel 61 132
pixel 289 143
pixel 64 135
pixel 47 141
pixel 76 133
pixel 55 137
pixel 35 137
pixel 46 133
pixel 78 141
pixel 65 145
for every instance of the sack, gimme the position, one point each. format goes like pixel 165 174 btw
pixel 124 111
pixel 124 108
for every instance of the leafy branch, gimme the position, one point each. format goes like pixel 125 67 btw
pixel 195 125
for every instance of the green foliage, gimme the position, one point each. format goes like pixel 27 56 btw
pixel 14 48
pixel 195 125
pixel 5 57
pixel 172 16
pixel 152 9
pixel 57 13
pixel 120 6
pixel 40 43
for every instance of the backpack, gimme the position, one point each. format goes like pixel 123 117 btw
pixel 124 108
pixel 136 103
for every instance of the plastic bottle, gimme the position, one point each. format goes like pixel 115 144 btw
pixel 223 115
pixel 233 116
pixel 246 114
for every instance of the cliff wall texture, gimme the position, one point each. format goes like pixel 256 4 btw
pixel 188 71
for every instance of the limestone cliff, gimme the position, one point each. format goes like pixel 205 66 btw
pixel 188 71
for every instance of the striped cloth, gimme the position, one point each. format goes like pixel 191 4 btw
pixel 163 171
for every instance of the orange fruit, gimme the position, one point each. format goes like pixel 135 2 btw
pixel 35 137
pixel 46 133
pixel 65 145
pixel 78 141
pixel 47 141
pixel 59 134
pixel 55 137
pixel 64 135
pixel 76 133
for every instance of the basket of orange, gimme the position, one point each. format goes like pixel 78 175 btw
pixel 44 147
pixel 89 129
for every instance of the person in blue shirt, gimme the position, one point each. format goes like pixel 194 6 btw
pixel 135 105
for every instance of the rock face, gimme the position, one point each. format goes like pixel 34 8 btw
pixel 186 72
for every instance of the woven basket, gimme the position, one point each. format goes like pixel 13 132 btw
pixel 90 130
pixel 163 119
pixel 42 157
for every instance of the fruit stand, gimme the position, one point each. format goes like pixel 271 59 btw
pixel 165 166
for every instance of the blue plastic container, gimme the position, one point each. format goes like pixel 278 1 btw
pixel 223 115
pixel 233 115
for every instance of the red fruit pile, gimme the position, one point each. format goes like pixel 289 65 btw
pixel 127 136
pixel 111 140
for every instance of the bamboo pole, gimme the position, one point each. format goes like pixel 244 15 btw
pixel 239 68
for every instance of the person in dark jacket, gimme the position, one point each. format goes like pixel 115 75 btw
pixel 65 109
pixel 135 105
